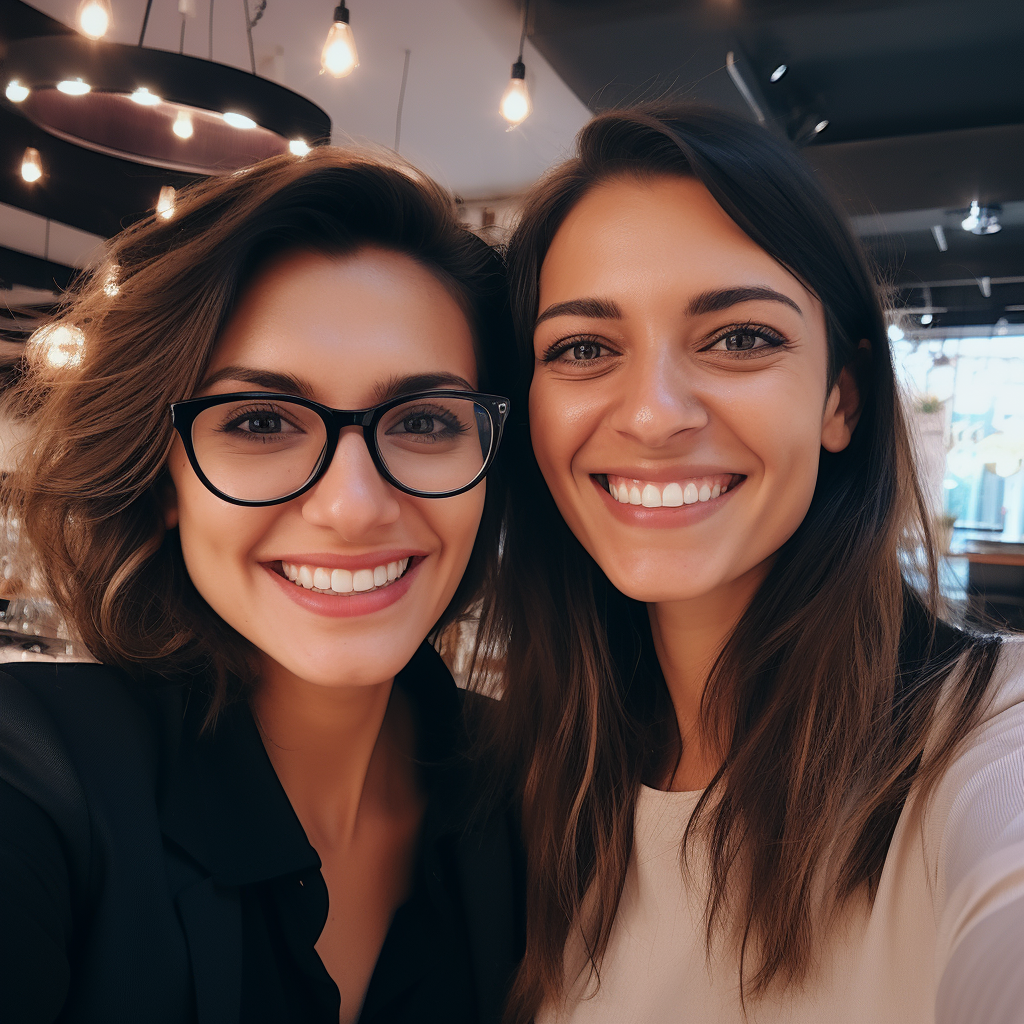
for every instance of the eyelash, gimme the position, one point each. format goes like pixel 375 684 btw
pixel 775 340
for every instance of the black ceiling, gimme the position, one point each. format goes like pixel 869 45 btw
pixel 925 104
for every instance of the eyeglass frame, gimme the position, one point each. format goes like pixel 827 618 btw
pixel 184 413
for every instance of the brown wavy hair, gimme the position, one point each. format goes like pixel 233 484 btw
pixel 89 492
pixel 827 689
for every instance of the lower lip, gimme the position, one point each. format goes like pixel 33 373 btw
pixel 665 517
pixel 342 606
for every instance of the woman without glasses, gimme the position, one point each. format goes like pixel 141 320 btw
pixel 253 808
pixel 762 778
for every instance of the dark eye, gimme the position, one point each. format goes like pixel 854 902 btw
pixel 747 340
pixel 585 350
pixel 262 423
pixel 418 424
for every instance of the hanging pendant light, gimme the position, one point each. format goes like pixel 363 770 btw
pixel 31 165
pixel 94 18
pixel 339 57
pixel 516 105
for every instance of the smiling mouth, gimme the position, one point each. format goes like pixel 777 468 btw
pixel 667 494
pixel 322 580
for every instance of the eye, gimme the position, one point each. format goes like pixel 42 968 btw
pixel 576 350
pixel 746 339
pixel 262 423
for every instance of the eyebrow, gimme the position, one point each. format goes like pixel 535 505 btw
pixel 268 380
pixel 716 300
pixel 595 309
pixel 395 386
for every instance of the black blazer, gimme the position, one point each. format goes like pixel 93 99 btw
pixel 147 870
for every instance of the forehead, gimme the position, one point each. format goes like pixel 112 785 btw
pixel 341 323
pixel 641 237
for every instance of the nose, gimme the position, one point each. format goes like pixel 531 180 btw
pixel 659 397
pixel 351 498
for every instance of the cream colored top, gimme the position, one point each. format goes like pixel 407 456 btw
pixel 954 861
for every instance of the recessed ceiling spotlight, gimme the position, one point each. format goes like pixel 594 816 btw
pixel 75 87
pixel 16 92
pixel 298 147
pixel 778 73
pixel 926 319
pixel 821 126
pixel 144 97
pixel 238 120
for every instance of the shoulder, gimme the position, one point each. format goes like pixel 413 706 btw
pixel 1006 688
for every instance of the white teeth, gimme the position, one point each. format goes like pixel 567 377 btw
pixel 343 581
pixel 624 494
pixel 690 494
pixel 704 493
pixel 716 491
pixel 634 495
pixel 651 497
pixel 672 495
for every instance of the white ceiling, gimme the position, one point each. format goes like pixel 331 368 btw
pixel 461 53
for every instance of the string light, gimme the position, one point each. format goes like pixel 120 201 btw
pixel 182 126
pixel 31 165
pixel 165 203
pixel 94 18
pixel 339 57
pixel 516 105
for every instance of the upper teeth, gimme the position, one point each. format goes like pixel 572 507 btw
pixel 344 581
pixel 654 495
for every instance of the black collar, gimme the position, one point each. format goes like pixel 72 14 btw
pixel 224 806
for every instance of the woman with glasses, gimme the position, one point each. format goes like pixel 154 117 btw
pixel 764 780
pixel 255 489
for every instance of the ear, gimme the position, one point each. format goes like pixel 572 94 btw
pixel 842 410
pixel 167 497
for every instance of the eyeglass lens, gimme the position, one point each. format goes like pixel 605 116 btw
pixel 258 450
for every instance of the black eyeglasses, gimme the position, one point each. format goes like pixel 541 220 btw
pixel 262 448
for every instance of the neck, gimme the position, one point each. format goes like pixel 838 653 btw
pixel 688 637
pixel 335 749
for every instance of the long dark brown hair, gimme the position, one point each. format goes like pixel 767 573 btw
pixel 825 692
pixel 138 334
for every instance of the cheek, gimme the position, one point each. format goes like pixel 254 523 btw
pixel 559 426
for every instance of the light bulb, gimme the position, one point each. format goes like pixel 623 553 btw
pixel 339 57
pixel 778 72
pixel 94 17
pixel 895 334
pixel 821 126
pixel 926 319
pixel 31 165
pixel 238 120
pixel 74 87
pixel 973 219
pixel 515 103
pixel 298 147
pixel 144 97
pixel 165 204
pixel 182 126
pixel 16 92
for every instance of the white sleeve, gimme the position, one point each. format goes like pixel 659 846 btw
pixel 977 817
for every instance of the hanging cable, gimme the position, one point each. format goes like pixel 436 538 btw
pixel 401 100
pixel 250 24
pixel 145 21
pixel 210 47
pixel 181 41
pixel 522 37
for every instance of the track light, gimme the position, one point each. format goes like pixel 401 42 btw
pixel 339 57
pixel 94 18
pixel 31 165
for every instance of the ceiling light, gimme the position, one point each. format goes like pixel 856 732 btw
pixel 821 126
pixel 926 319
pixel 339 57
pixel 238 120
pixel 982 220
pixel 778 73
pixel 31 165
pixel 144 97
pixel 298 147
pixel 182 126
pixel 94 17
pixel 74 87
pixel 166 202
pixel 895 334
pixel 16 92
